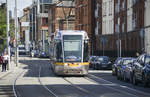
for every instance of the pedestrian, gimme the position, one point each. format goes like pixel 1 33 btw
pixel 137 54
pixel 5 61
pixel 1 59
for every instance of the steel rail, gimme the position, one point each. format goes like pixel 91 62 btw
pixel 51 92
pixel 124 92
pixel 79 88
pixel 14 84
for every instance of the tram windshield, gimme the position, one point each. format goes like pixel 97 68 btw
pixel 72 48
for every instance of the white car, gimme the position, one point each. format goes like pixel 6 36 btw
pixel 21 50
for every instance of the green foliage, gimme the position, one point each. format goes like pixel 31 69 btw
pixel 3 27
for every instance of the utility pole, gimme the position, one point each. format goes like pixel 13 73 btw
pixel 42 31
pixel 8 36
pixel 16 32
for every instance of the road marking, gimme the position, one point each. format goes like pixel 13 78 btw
pixel 85 91
pixel 132 95
pixel 14 84
pixel 5 75
pixel 121 85
pixel 44 85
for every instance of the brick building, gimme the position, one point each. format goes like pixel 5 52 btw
pixel 126 37
pixel 84 19
pixel 61 16
pixel 147 26
pixel 24 24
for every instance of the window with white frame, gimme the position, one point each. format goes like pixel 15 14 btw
pixel 104 9
pixel 110 7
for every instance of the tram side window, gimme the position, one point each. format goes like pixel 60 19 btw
pixel 59 52
pixel 86 52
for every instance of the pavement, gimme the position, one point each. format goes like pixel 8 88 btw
pixel 11 69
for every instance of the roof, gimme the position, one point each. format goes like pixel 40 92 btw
pixel 66 4
pixel 128 58
pixel 60 33
pixel 46 1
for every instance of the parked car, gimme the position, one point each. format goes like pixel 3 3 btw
pixel 141 70
pixel 92 60
pixel 121 67
pixel 128 73
pixel 21 50
pixel 43 55
pixel 114 66
pixel 12 51
pixel 34 53
pixel 102 62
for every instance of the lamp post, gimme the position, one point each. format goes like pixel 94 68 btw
pixel 16 32
pixel 8 36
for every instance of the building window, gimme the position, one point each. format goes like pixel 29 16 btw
pixel 123 30
pixel 110 7
pixel 134 1
pixel 117 8
pixel 123 5
pixel 134 20
pixel 96 29
pixel 104 9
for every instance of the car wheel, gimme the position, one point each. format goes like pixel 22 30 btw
pixel 134 80
pixel 144 80
pixel 94 66
pixel 113 73
pixel 131 78
pixel 118 75
pixel 124 77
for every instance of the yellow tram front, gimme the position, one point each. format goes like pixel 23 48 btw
pixel 72 54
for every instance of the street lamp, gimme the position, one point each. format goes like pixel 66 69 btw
pixel 16 32
pixel 8 36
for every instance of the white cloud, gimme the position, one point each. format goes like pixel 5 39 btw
pixel 21 4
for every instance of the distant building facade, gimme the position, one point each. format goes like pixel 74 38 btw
pixel 61 17
pixel 25 27
pixel 84 19
pixel 147 26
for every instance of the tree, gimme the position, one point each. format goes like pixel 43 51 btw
pixel 3 26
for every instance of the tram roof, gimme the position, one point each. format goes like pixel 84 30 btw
pixel 60 33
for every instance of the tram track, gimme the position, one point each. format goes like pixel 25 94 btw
pixel 16 94
pixel 44 86
pixel 78 87
pixel 100 80
pixel 86 92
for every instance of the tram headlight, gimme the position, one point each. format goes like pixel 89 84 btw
pixel 66 64
pixel 79 64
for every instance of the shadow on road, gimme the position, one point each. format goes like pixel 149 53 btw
pixel 6 91
pixel 32 66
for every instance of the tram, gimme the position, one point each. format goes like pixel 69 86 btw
pixel 70 54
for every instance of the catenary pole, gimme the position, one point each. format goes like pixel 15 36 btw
pixel 8 36
pixel 16 32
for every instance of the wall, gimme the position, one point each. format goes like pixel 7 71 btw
pixel 147 25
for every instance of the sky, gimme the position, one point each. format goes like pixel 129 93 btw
pixel 21 4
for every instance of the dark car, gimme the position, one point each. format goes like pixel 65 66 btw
pixel 114 66
pixel 34 53
pixel 128 72
pixel 43 55
pixel 102 62
pixel 141 70
pixel 92 60
pixel 122 66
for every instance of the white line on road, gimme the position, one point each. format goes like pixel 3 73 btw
pixel 132 95
pixel 81 89
pixel 44 85
pixel 121 85
pixel 14 84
